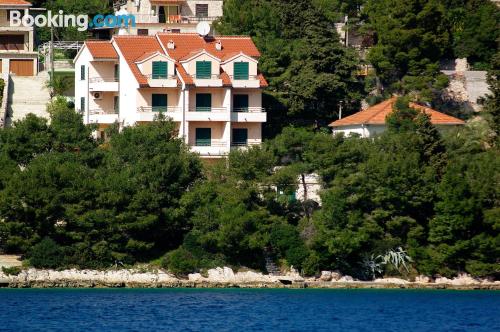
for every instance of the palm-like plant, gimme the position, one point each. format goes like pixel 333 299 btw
pixel 58 85
pixel 396 258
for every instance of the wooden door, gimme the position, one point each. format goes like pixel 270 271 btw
pixel 21 67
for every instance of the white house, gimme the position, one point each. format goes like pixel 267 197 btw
pixel 371 121
pixel 154 16
pixel 209 86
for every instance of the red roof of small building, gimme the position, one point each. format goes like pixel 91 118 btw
pixel 377 114
pixel 101 49
pixel 16 3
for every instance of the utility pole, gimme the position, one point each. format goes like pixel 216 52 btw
pixel 340 109
pixel 52 56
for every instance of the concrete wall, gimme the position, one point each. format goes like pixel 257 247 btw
pixel 144 96
pixel 217 96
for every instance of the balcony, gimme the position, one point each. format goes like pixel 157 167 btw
pixel 169 81
pixel 215 148
pixel 149 113
pixel 102 117
pixel 242 145
pixel 208 114
pixel 249 114
pixel 104 84
pixel 211 81
pixel 252 81
pixel 172 19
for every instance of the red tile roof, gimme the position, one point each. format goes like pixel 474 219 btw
pixel 101 50
pixel 16 3
pixel 377 114
pixel 186 43
pixel 136 48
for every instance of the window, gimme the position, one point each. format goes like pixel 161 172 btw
pixel 240 103
pixel 12 42
pixel 241 71
pixel 175 31
pixel 159 102
pixel 117 104
pixel 117 72
pixel 202 10
pixel 160 69
pixel 203 69
pixel 82 72
pixel 203 137
pixel 82 104
pixel 203 102
pixel 142 32
pixel 240 136
pixel 288 193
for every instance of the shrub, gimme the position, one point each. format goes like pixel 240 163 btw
pixel 180 261
pixel 46 254
pixel 11 271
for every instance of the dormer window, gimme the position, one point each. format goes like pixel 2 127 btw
pixel 241 70
pixel 160 69
pixel 203 69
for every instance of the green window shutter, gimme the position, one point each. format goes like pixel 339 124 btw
pixel 203 69
pixel 203 137
pixel 159 102
pixel 82 72
pixel 240 103
pixel 117 104
pixel 240 136
pixel 241 70
pixel 82 104
pixel 160 69
pixel 203 102
pixel 117 72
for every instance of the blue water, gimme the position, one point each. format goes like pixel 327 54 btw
pixel 248 310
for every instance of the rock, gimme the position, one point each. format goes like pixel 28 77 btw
pixel 345 279
pixel 221 275
pixel 196 277
pixel 336 275
pixel 395 281
pixel 326 276
pixel 423 279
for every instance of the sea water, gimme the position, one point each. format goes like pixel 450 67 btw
pixel 247 310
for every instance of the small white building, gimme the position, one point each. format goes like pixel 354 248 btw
pixel 371 121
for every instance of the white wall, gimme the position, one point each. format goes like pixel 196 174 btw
pixel 81 86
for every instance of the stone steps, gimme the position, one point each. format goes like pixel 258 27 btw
pixel 28 95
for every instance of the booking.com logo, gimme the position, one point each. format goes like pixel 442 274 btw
pixel 81 22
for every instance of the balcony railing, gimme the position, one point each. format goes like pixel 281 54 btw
pixel 210 143
pixel 159 109
pixel 172 19
pixel 160 77
pixel 246 78
pixel 243 144
pixel 249 110
pixel 102 112
pixel 103 79
pixel 202 109
pixel 206 77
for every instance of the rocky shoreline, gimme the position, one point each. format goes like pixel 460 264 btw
pixel 224 278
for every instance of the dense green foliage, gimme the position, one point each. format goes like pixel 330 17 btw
pixel 100 203
pixel 308 69
pixel 69 200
